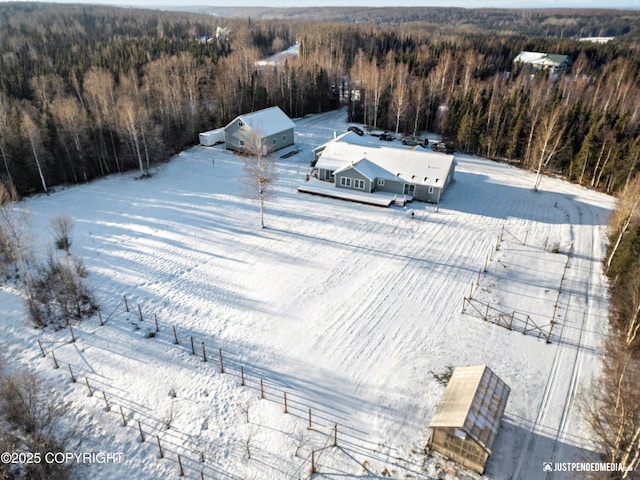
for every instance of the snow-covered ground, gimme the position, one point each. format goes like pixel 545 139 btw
pixel 351 310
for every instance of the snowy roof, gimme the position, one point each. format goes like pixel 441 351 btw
pixel 280 57
pixel 267 122
pixel 474 401
pixel 542 59
pixel 370 170
pixel 419 167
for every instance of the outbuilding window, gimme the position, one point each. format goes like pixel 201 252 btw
pixel 381 182
pixel 345 181
pixel 274 141
pixel 358 183
pixel 430 190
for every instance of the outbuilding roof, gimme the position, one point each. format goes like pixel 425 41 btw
pixel 474 401
pixel 267 122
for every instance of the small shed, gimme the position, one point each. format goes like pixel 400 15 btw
pixel 212 137
pixel 468 416
pixel 270 128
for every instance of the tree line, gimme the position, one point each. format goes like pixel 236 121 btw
pixel 86 91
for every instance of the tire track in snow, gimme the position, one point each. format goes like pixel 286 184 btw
pixel 567 362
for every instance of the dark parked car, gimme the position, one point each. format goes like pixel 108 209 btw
pixel 412 140
pixel 387 137
pixel 442 147
pixel 356 130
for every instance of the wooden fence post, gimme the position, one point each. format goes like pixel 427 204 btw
pixel 141 434
pixel 73 337
pixel 478 280
pixel 140 313
pixel 41 349
pixel 285 403
pixel 181 469
pixel 100 316
pixel 335 435
pixel 313 462
pixel 310 427
pixel 204 353
pixel 55 362
pixel 160 446
pixel 104 395
pixel 155 318
pixel 124 419
pixel 261 389
pixel 486 314
pixel 126 305
pixel 221 364
pixel 193 350
pixel 241 375
pixel 175 334
pixel 73 378
pixel 86 379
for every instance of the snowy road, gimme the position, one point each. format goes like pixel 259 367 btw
pixel 556 432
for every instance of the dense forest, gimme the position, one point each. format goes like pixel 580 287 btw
pixel 86 91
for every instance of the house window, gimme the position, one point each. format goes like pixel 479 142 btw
pixel 240 124
pixel 345 181
pixel 381 182
pixel 242 143
pixel 274 141
pixel 358 183
pixel 284 138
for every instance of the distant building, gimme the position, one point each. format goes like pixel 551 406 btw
pixel 278 59
pixel 544 61
pixel 270 127
pixel 468 416
pixel 222 34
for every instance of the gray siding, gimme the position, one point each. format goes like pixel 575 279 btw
pixel 353 174
pixel 391 186
pixel 235 134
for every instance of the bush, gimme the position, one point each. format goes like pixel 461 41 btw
pixel 30 422
pixel 56 293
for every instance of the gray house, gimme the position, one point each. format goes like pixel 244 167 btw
pixel 269 129
pixel 415 174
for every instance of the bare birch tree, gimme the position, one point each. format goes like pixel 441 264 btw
pixel 259 173
pixel 32 132
pixel 548 141
pixel 626 213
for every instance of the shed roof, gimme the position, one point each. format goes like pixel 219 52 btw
pixel 474 401
pixel 269 121
pixel 411 166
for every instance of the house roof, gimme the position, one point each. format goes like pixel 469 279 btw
pixel 266 122
pixel 419 167
pixel 474 401
pixel 543 59
pixel 369 169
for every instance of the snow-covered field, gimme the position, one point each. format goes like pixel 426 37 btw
pixel 352 310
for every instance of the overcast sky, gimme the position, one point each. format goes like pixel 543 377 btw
pixel 612 4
